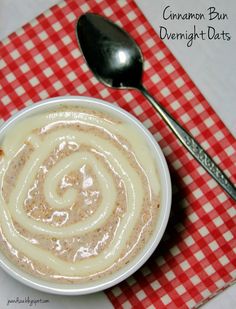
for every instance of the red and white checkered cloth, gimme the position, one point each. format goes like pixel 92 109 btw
pixel 195 259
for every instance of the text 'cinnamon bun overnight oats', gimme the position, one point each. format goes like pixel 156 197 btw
pixel 80 194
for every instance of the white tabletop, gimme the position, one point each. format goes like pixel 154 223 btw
pixel 212 66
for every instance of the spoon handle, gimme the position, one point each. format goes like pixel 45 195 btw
pixel 192 146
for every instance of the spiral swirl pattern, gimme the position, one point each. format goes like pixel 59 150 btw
pixel 79 193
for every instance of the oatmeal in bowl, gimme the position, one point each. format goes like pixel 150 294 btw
pixel 85 195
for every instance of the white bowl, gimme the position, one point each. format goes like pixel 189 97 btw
pixel 166 193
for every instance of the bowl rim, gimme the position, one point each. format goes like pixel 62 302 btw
pixel 166 198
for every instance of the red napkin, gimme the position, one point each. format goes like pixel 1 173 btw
pixel 195 259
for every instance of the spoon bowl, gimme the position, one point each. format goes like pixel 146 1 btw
pixel 116 60
pixel 112 55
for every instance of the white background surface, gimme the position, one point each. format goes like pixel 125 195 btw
pixel 210 64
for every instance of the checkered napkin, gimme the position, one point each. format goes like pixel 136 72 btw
pixel 195 258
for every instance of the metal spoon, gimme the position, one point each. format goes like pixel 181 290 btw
pixel 116 61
